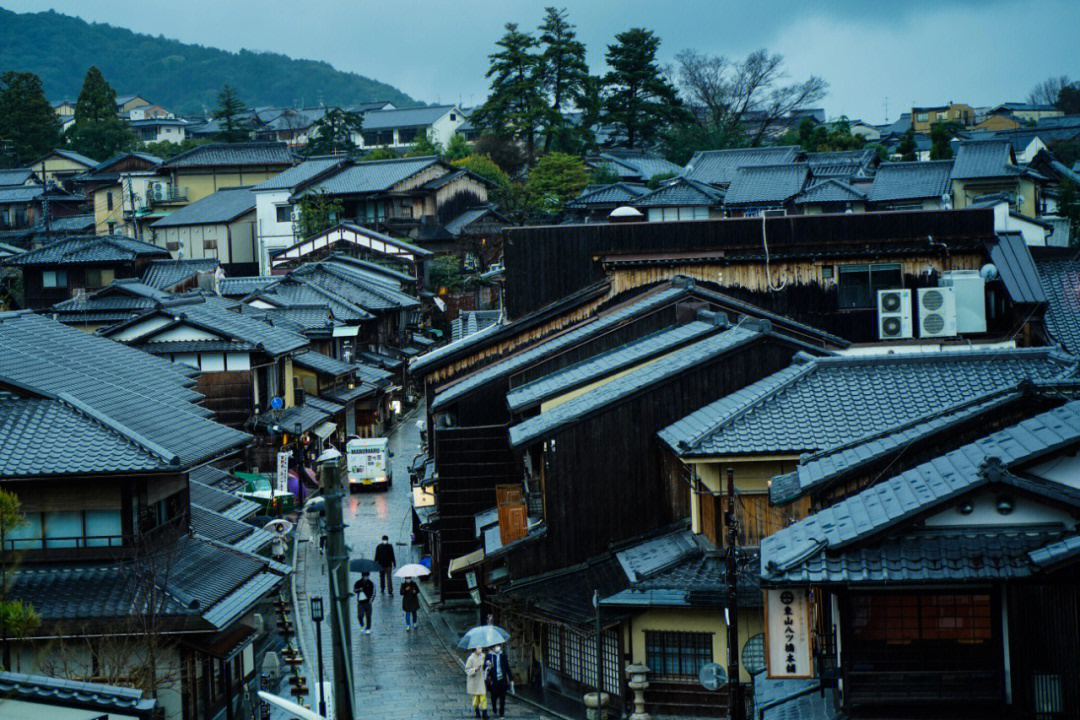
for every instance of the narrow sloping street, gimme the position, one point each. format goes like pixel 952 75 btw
pixel 399 675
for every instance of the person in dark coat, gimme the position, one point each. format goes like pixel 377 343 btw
pixel 384 555
pixel 499 680
pixel 365 593
pixel 410 602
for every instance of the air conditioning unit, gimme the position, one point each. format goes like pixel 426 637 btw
pixel 970 290
pixel 937 312
pixel 894 314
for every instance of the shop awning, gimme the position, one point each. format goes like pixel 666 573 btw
pixel 325 430
pixel 466 562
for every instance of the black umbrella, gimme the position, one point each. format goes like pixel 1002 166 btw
pixel 363 565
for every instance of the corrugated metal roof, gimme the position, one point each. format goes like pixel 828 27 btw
pixel 582 373
pixel 819 403
pixel 719 167
pixel 579 334
pixel 911 181
pixel 224 206
pixel 574 410
pixel 766 184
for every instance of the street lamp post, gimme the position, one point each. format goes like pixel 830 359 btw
pixel 317 618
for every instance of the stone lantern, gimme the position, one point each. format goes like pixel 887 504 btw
pixel 638 674
pixel 596 705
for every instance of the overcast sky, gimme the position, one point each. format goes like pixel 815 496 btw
pixel 980 51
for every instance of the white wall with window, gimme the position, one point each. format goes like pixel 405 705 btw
pixel 667 214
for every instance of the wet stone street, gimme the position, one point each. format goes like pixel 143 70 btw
pixel 399 675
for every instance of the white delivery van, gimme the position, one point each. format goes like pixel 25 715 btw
pixel 369 462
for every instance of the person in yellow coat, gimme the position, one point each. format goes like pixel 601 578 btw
pixel 474 682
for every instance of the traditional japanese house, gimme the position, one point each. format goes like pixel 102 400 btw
pixel 944 590
pixel 596 202
pixel 70 267
pixel 115 554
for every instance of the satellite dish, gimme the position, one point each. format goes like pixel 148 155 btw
pixel 277 403
pixel 988 272
pixel 712 676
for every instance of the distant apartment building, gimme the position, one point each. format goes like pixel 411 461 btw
pixel 923 117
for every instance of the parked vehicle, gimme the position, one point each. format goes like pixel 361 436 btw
pixel 369 462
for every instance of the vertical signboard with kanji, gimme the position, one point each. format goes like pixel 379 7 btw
pixel 283 471
pixel 787 633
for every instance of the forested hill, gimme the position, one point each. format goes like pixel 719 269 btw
pixel 183 78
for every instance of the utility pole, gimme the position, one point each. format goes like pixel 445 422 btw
pixel 735 701
pixel 337 568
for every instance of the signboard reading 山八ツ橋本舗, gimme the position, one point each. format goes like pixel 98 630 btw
pixel 787 633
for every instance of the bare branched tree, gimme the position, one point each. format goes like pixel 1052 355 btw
pixel 1048 91
pixel 724 94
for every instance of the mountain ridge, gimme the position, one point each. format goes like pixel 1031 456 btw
pixel 183 77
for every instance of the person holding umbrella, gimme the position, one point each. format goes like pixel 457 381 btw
pixel 475 682
pixel 410 601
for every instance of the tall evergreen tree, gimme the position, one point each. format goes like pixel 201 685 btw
pixel 515 106
pixel 333 133
pixel 99 132
pixel 638 101
pixel 28 126
pixel 230 116
pixel 564 76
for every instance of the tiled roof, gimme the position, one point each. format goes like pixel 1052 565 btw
pixel 567 594
pixel 404 117
pixel 719 167
pixel 330 408
pixel 216 526
pixel 344 394
pixel 472 321
pixel 471 215
pixel 818 403
pixel 681 191
pixel 574 410
pixel 830 191
pixel 224 206
pixel 636 163
pixel 911 180
pixel 986 159
pixel 626 356
pixel 784 699
pixel 619 193
pixel 355 286
pixel 220 501
pixel 545 349
pixel 95 698
pixel 147 398
pixel 372 177
pixel 123 298
pixel 372 375
pixel 802 551
pixel 1012 258
pixel 203 580
pixel 28 193
pixel 766 184
pixel 69 155
pixel 304 172
pixel 88 249
pixel 846 164
pixel 167 274
pixel 292 291
pixel 231 154
pixel 697 579
pixel 324 364
pixel 308 416
pixel 1061 284
pixel 382 272
pixel 215 478
pixel 46 436
pixel 825 466
pixel 237 287
pixel 15 176
pixel 309 319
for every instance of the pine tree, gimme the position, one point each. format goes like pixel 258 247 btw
pixel 28 126
pixel 99 132
pixel 564 77
pixel 515 106
pixel 906 147
pixel 334 132
pixel 638 101
pixel 229 114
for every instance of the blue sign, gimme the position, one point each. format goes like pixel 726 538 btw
pixel 277 403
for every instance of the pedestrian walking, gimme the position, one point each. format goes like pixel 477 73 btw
pixel 365 593
pixel 384 555
pixel 475 682
pixel 499 679
pixel 410 602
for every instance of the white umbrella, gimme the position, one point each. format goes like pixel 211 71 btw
pixel 411 570
pixel 483 636
pixel 280 527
